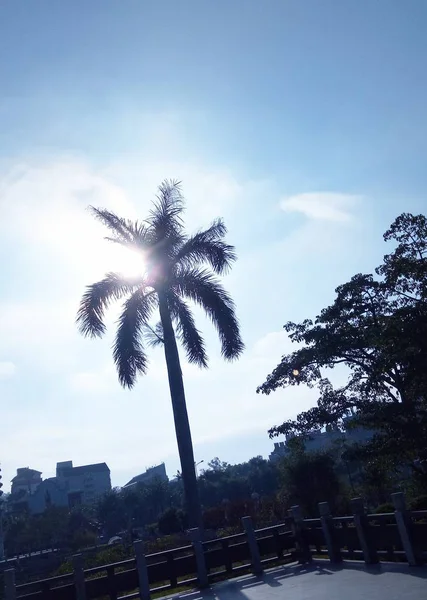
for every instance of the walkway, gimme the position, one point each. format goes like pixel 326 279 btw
pixel 322 582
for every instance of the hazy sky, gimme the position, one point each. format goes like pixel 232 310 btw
pixel 301 122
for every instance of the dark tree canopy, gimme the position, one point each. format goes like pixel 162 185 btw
pixel 309 478
pixel 377 328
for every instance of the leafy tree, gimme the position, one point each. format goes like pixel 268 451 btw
pixel 222 481
pixel 176 269
pixel 217 465
pixel 157 497
pixel 377 328
pixel 111 513
pixel 172 521
pixel 309 478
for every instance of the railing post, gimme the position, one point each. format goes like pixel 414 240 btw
pixel 302 546
pixel 9 585
pixel 253 545
pixel 202 573
pixel 405 525
pixel 328 528
pixel 363 531
pixel 141 567
pixel 111 582
pixel 79 577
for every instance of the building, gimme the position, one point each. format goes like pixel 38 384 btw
pixel 280 450
pixel 49 493
pixel 157 472
pixel 26 480
pixel 72 486
pixel 318 440
pixel 86 483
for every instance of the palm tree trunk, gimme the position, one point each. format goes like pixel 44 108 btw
pixel 180 415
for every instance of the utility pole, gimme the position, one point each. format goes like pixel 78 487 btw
pixel 1 520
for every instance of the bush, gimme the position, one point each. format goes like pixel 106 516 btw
pixel 172 521
pixel 419 503
pixel 166 543
pixel 82 539
pixel 214 517
pixel 387 507
pixel 111 554
pixel 309 478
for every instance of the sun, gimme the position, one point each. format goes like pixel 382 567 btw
pixel 129 263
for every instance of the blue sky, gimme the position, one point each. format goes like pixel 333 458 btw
pixel 302 123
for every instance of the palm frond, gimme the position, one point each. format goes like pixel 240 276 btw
pixel 208 246
pixel 128 351
pixel 119 226
pixel 140 239
pixel 153 335
pixel 187 331
pixel 97 298
pixel 125 231
pixel 165 218
pixel 200 286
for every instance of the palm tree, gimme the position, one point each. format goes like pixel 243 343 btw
pixel 176 268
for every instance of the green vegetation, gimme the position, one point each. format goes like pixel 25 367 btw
pixel 377 328
pixel 56 528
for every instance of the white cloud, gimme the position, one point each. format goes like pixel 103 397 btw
pixel 324 206
pixel 7 369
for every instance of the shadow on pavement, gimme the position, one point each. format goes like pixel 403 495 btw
pixel 236 588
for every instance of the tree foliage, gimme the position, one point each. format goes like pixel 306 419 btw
pixel 57 527
pixel 377 328
pixel 180 267
pixel 309 478
pixel 222 481
pixel 137 506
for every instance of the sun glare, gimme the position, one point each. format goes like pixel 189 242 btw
pixel 128 263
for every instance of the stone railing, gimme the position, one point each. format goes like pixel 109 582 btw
pixel 398 536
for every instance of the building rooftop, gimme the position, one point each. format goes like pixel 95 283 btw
pixel 25 473
pixel 159 471
pixel 95 468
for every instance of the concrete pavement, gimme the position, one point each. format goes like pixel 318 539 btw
pixel 322 582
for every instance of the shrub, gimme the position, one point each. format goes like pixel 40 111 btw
pixel 419 503
pixel 172 521
pixel 387 507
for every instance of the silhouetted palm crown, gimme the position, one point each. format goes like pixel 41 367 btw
pixel 179 268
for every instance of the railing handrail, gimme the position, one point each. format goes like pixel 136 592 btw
pixel 169 551
pixel 237 537
pixel 273 528
pixel 149 557
pixel 226 537
pixel 121 563
pixel 40 581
